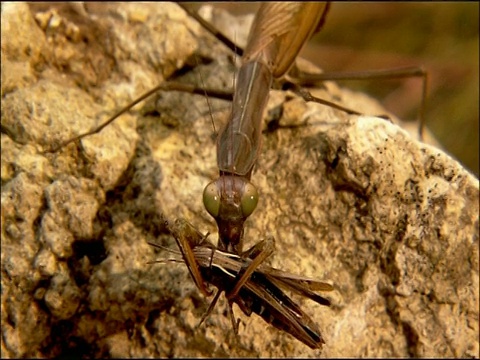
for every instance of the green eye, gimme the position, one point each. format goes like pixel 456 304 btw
pixel 249 199
pixel 211 199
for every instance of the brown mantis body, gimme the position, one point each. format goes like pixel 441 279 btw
pixel 277 34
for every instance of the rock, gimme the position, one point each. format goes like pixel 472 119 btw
pixel 356 200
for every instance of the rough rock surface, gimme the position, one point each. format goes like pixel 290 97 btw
pixel 392 222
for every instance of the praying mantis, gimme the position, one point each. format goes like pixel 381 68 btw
pixel 303 236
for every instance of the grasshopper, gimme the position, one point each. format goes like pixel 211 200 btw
pixel 260 294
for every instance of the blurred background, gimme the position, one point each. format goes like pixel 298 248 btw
pixel 442 37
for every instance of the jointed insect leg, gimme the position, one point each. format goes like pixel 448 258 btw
pixel 210 307
pixel 261 251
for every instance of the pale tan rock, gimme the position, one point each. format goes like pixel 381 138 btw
pixel 358 201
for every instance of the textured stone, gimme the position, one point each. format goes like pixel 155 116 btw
pixel 390 221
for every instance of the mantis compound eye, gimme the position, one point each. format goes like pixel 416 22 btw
pixel 211 199
pixel 241 195
pixel 249 199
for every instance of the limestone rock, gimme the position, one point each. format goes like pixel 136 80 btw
pixel 392 222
